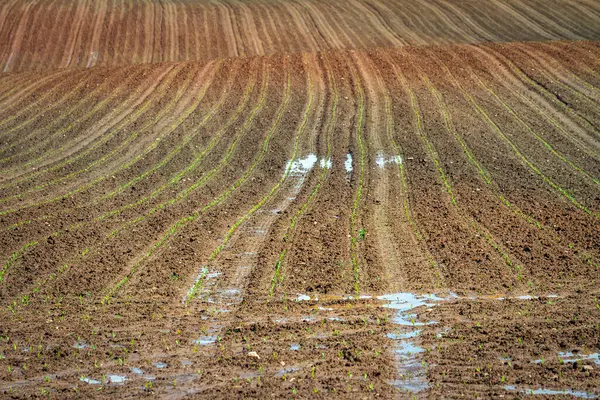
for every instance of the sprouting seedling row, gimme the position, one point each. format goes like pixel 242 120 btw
pixel 89 150
pixel 546 145
pixel 197 160
pixel 14 257
pixel 199 282
pixel 485 116
pixel 180 197
pixel 354 257
pixel 33 104
pixel 59 104
pixel 403 180
pixel 186 220
pixel 89 115
pixel 549 95
pixel 487 178
pixel 277 277
pixel 431 151
pixel 186 140
pixel 125 144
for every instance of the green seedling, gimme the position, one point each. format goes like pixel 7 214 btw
pixel 361 234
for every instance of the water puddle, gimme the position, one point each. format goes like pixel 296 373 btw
pixel 233 294
pixel 381 160
pixel 248 375
pixel 286 371
pixel 259 231
pixel 301 166
pixel 294 347
pixel 348 163
pixel 330 297
pixel 409 385
pixel 117 379
pixel 406 335
pixel 550 392
pixel 205 340
pixel 81 345
pixel 89 380
pixel 411 371
pixel 404 302
pixel 203 275
pixel 160 365
pixel 302 297
pixel 136 371
pixel 570 357
pixel 325 163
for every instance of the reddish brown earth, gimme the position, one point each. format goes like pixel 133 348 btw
pixel 292 199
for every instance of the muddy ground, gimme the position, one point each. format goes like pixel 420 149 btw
pixel 394 222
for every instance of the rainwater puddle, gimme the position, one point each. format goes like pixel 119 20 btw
pixel 136 371
pixel 205 276
pixel 410 368
pixel 301 166
pixel 285 371
pixel 411 385
pixel 118 379
pixel 570 357
pixel 89 380
pixel 302 297
pixel 407 335
pixel 81 345
pixel 381 160
pixel 549 392
pixel 248 375
pixel 295 347
pixel 205 340
pixel 404 302
pixel 348 163
pixel 325 163
pixel 160 365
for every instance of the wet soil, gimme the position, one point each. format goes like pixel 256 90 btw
pixel 394 222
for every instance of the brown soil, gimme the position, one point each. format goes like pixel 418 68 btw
pixel 256 199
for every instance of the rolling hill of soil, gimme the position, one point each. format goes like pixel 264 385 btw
pixel 298 199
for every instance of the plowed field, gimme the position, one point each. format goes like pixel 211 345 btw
pixel 300 198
